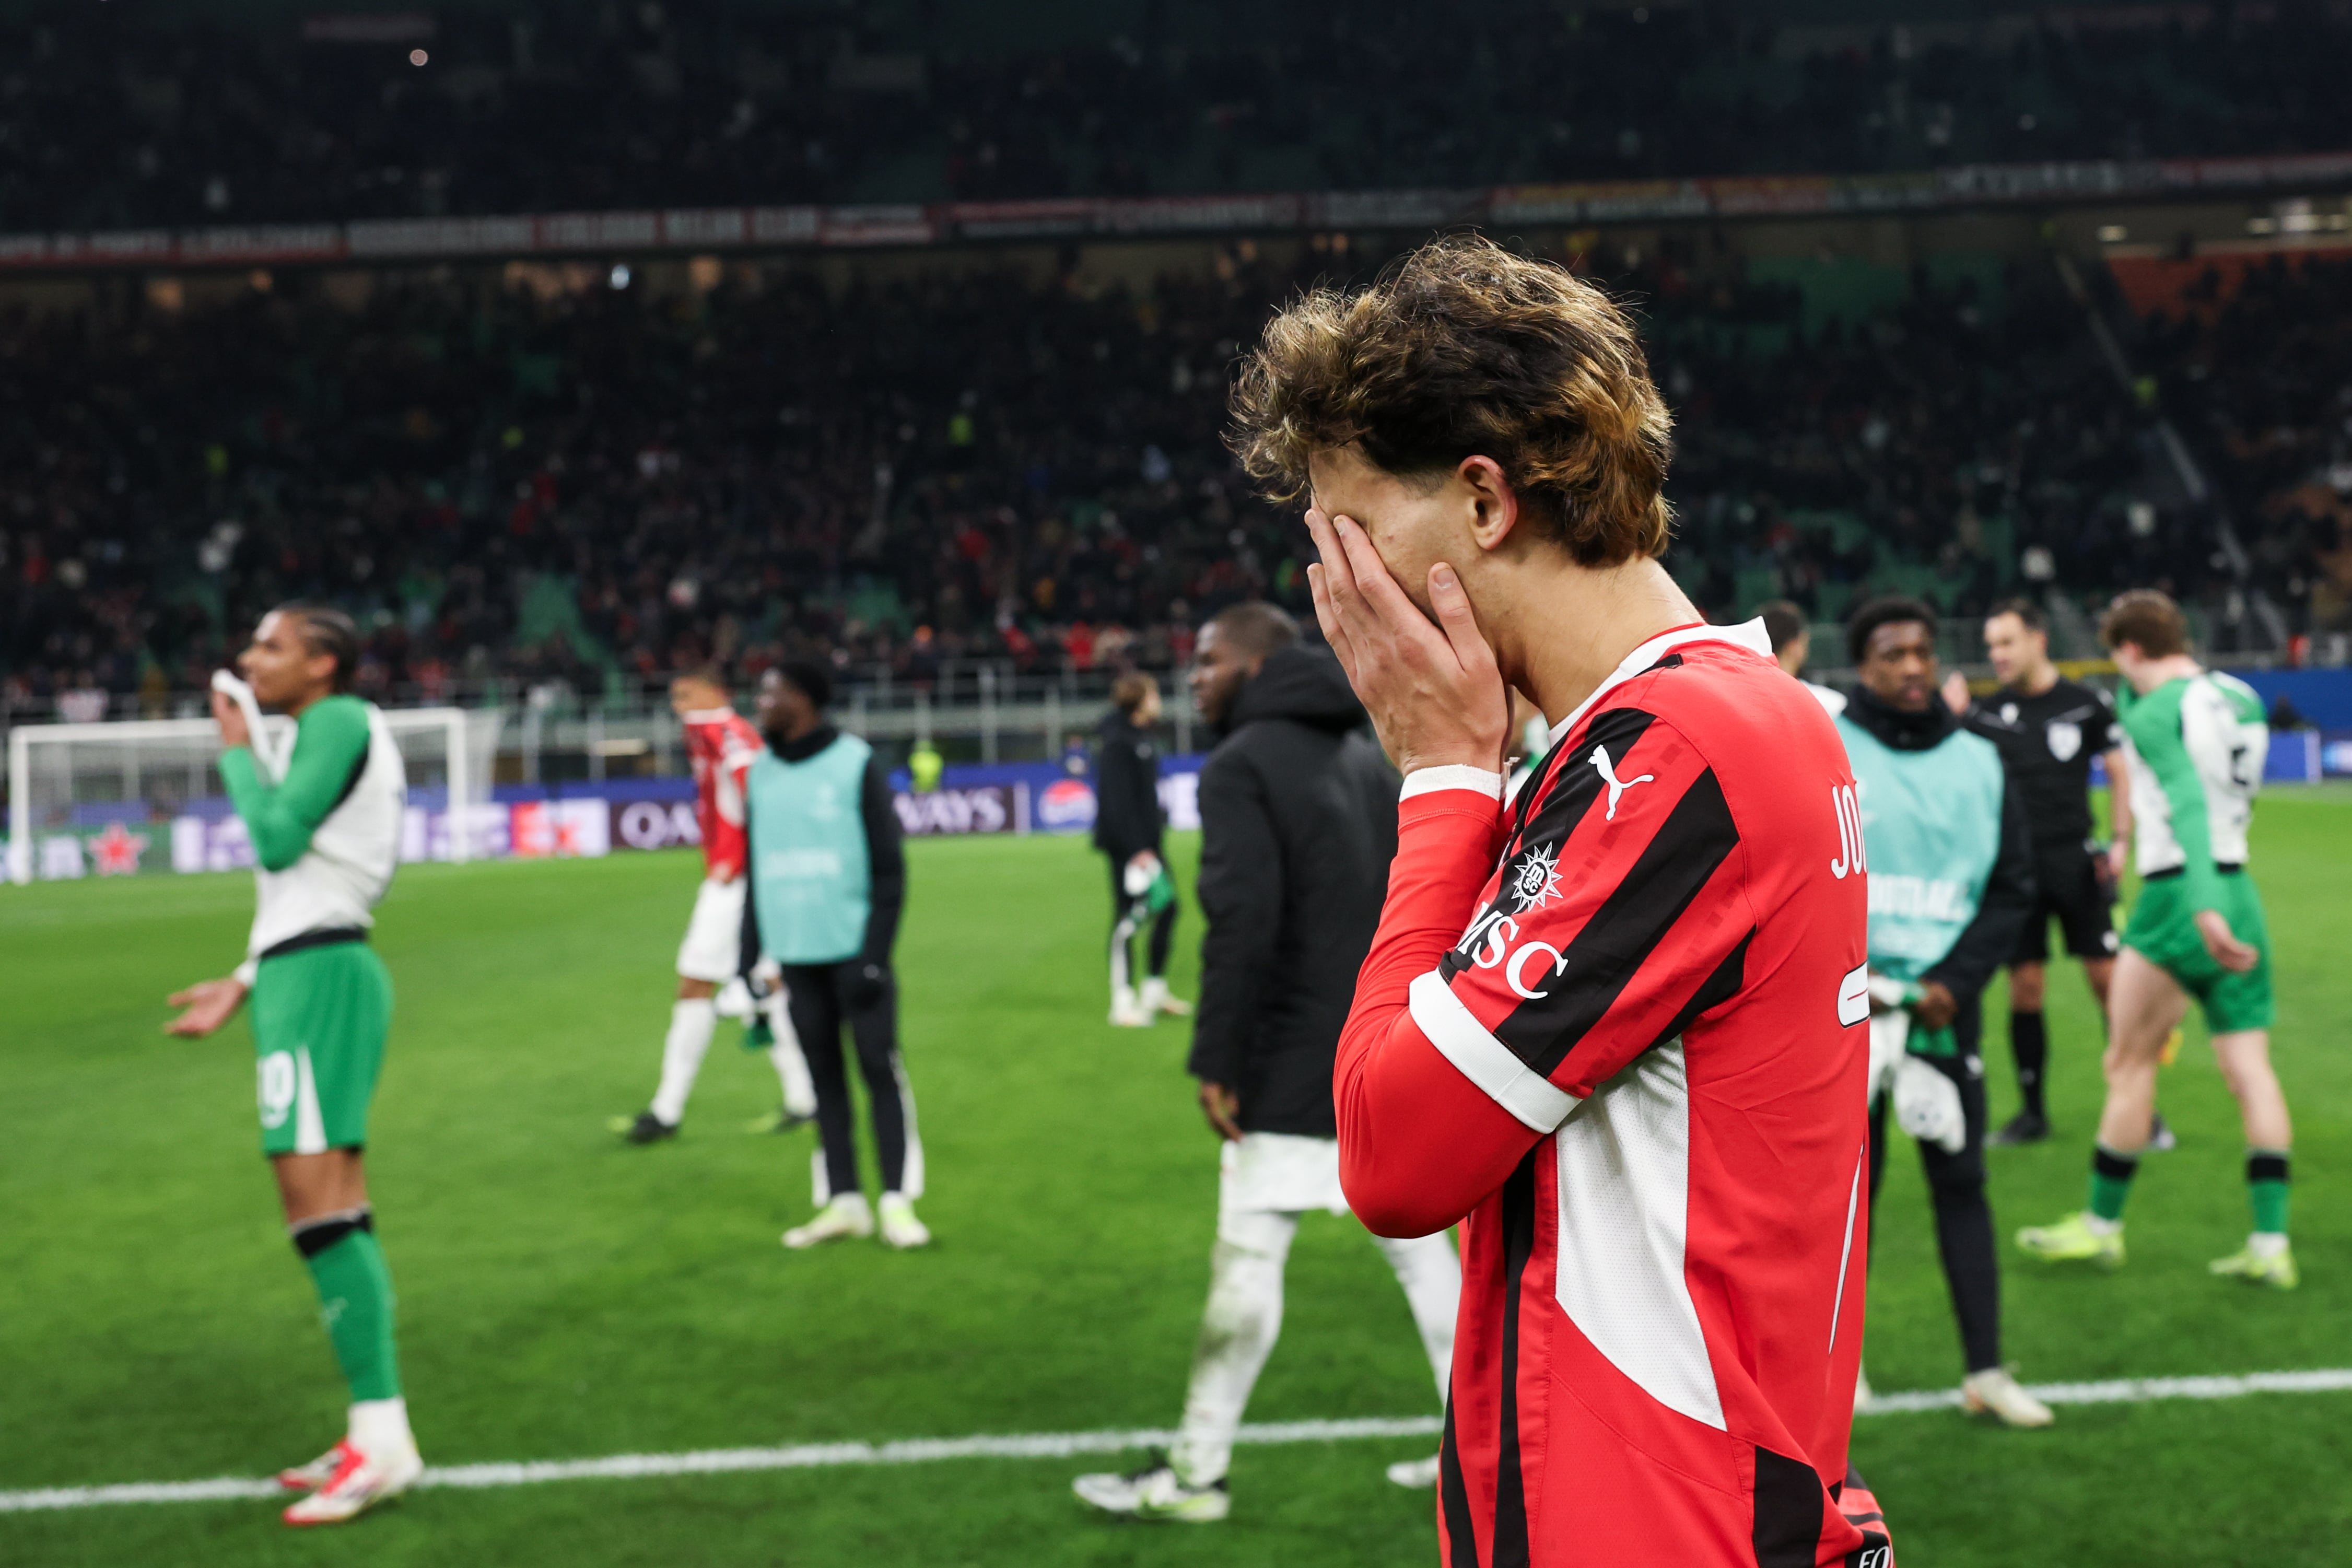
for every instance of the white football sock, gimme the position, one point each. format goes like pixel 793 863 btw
pixel 1237 1334
pixel 690 1023
pixel 380 1426
pixel 1155 992
pixel 1431 1272
pixel 2266 1244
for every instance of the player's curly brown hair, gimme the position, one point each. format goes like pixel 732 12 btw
pixel 1464 349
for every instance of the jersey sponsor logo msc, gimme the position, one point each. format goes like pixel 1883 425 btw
pixel 1665 976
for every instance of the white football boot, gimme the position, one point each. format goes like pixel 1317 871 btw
pixel 1128 1011
pixel 310 1477
pixel 358 1482
pixel 1154 1492
pixel 844 1217
pixel 1993 1391
pixel 1155 999
pixel 900 1228
pixel 1419 1475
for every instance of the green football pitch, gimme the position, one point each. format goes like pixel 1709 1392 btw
pixel 563 1296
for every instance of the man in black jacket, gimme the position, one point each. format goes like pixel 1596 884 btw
pixel 1127 828
pixel 1298 826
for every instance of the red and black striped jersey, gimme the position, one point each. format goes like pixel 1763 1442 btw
pixel 1618 1030
pixel 722 745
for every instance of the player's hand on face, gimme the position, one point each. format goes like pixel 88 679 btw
pixel 206 1006
pixel 1937 1006
pixel 1956 693
pixel 1433 691
pixel 2231 954
pixel 231 720
pixel 1223 1107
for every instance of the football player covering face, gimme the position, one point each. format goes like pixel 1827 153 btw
pixel 1668 932
pixel 286 671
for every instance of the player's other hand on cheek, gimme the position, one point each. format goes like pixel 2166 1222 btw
pixel 2231 954
pixel 1432 689
pixel 207 1006
pixel 1223 1107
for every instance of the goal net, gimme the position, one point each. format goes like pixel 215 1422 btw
pixel 145 795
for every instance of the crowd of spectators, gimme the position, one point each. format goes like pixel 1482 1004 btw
pixel 537 476
pixel 2259 379
pixel 110 118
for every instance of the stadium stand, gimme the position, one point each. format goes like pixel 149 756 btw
pixel 590 483
pixel 2252 364
pixel 553 471
pixel 115 121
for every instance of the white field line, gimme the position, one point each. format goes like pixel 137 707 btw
pixel 1064 1444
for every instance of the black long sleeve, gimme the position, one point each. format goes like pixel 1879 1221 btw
pixel 885 854
pixel 1127 792
pixel 1990 939
pixel 748 952
pixel 1240 891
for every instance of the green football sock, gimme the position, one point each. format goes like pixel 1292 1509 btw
pixel 2266 1178
pixel 2111 1179
pixel 355 1299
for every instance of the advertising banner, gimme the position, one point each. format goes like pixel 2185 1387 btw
pixel 813 227
pixel 590 820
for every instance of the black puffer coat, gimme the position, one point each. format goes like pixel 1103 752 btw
pixel 1298 814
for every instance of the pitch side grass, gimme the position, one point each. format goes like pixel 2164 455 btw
pixel 562 1295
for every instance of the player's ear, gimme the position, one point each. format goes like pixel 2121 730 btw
pixel 1494 504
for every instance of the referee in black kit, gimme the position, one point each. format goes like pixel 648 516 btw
pixel 2048 729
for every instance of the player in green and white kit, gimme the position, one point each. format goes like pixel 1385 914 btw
pixel 2195 743
pixel 325 823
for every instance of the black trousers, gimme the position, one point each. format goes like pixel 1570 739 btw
pixel 1122 934
pixel 1956 1186
pixel 820 1007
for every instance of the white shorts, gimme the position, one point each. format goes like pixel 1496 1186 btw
pixel 714 937
pixel 1279 1172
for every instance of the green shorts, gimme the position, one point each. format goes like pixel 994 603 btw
pixel 320 1016
pixel 2163 930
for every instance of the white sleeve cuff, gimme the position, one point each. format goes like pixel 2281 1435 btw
pixel 1453 775
pixel 247 973
pixel 1485 1060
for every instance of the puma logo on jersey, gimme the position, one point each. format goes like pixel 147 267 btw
pixel 1600 764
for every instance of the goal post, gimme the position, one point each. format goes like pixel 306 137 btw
pixel 146 794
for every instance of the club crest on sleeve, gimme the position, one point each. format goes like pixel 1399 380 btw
pixel 1535 882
